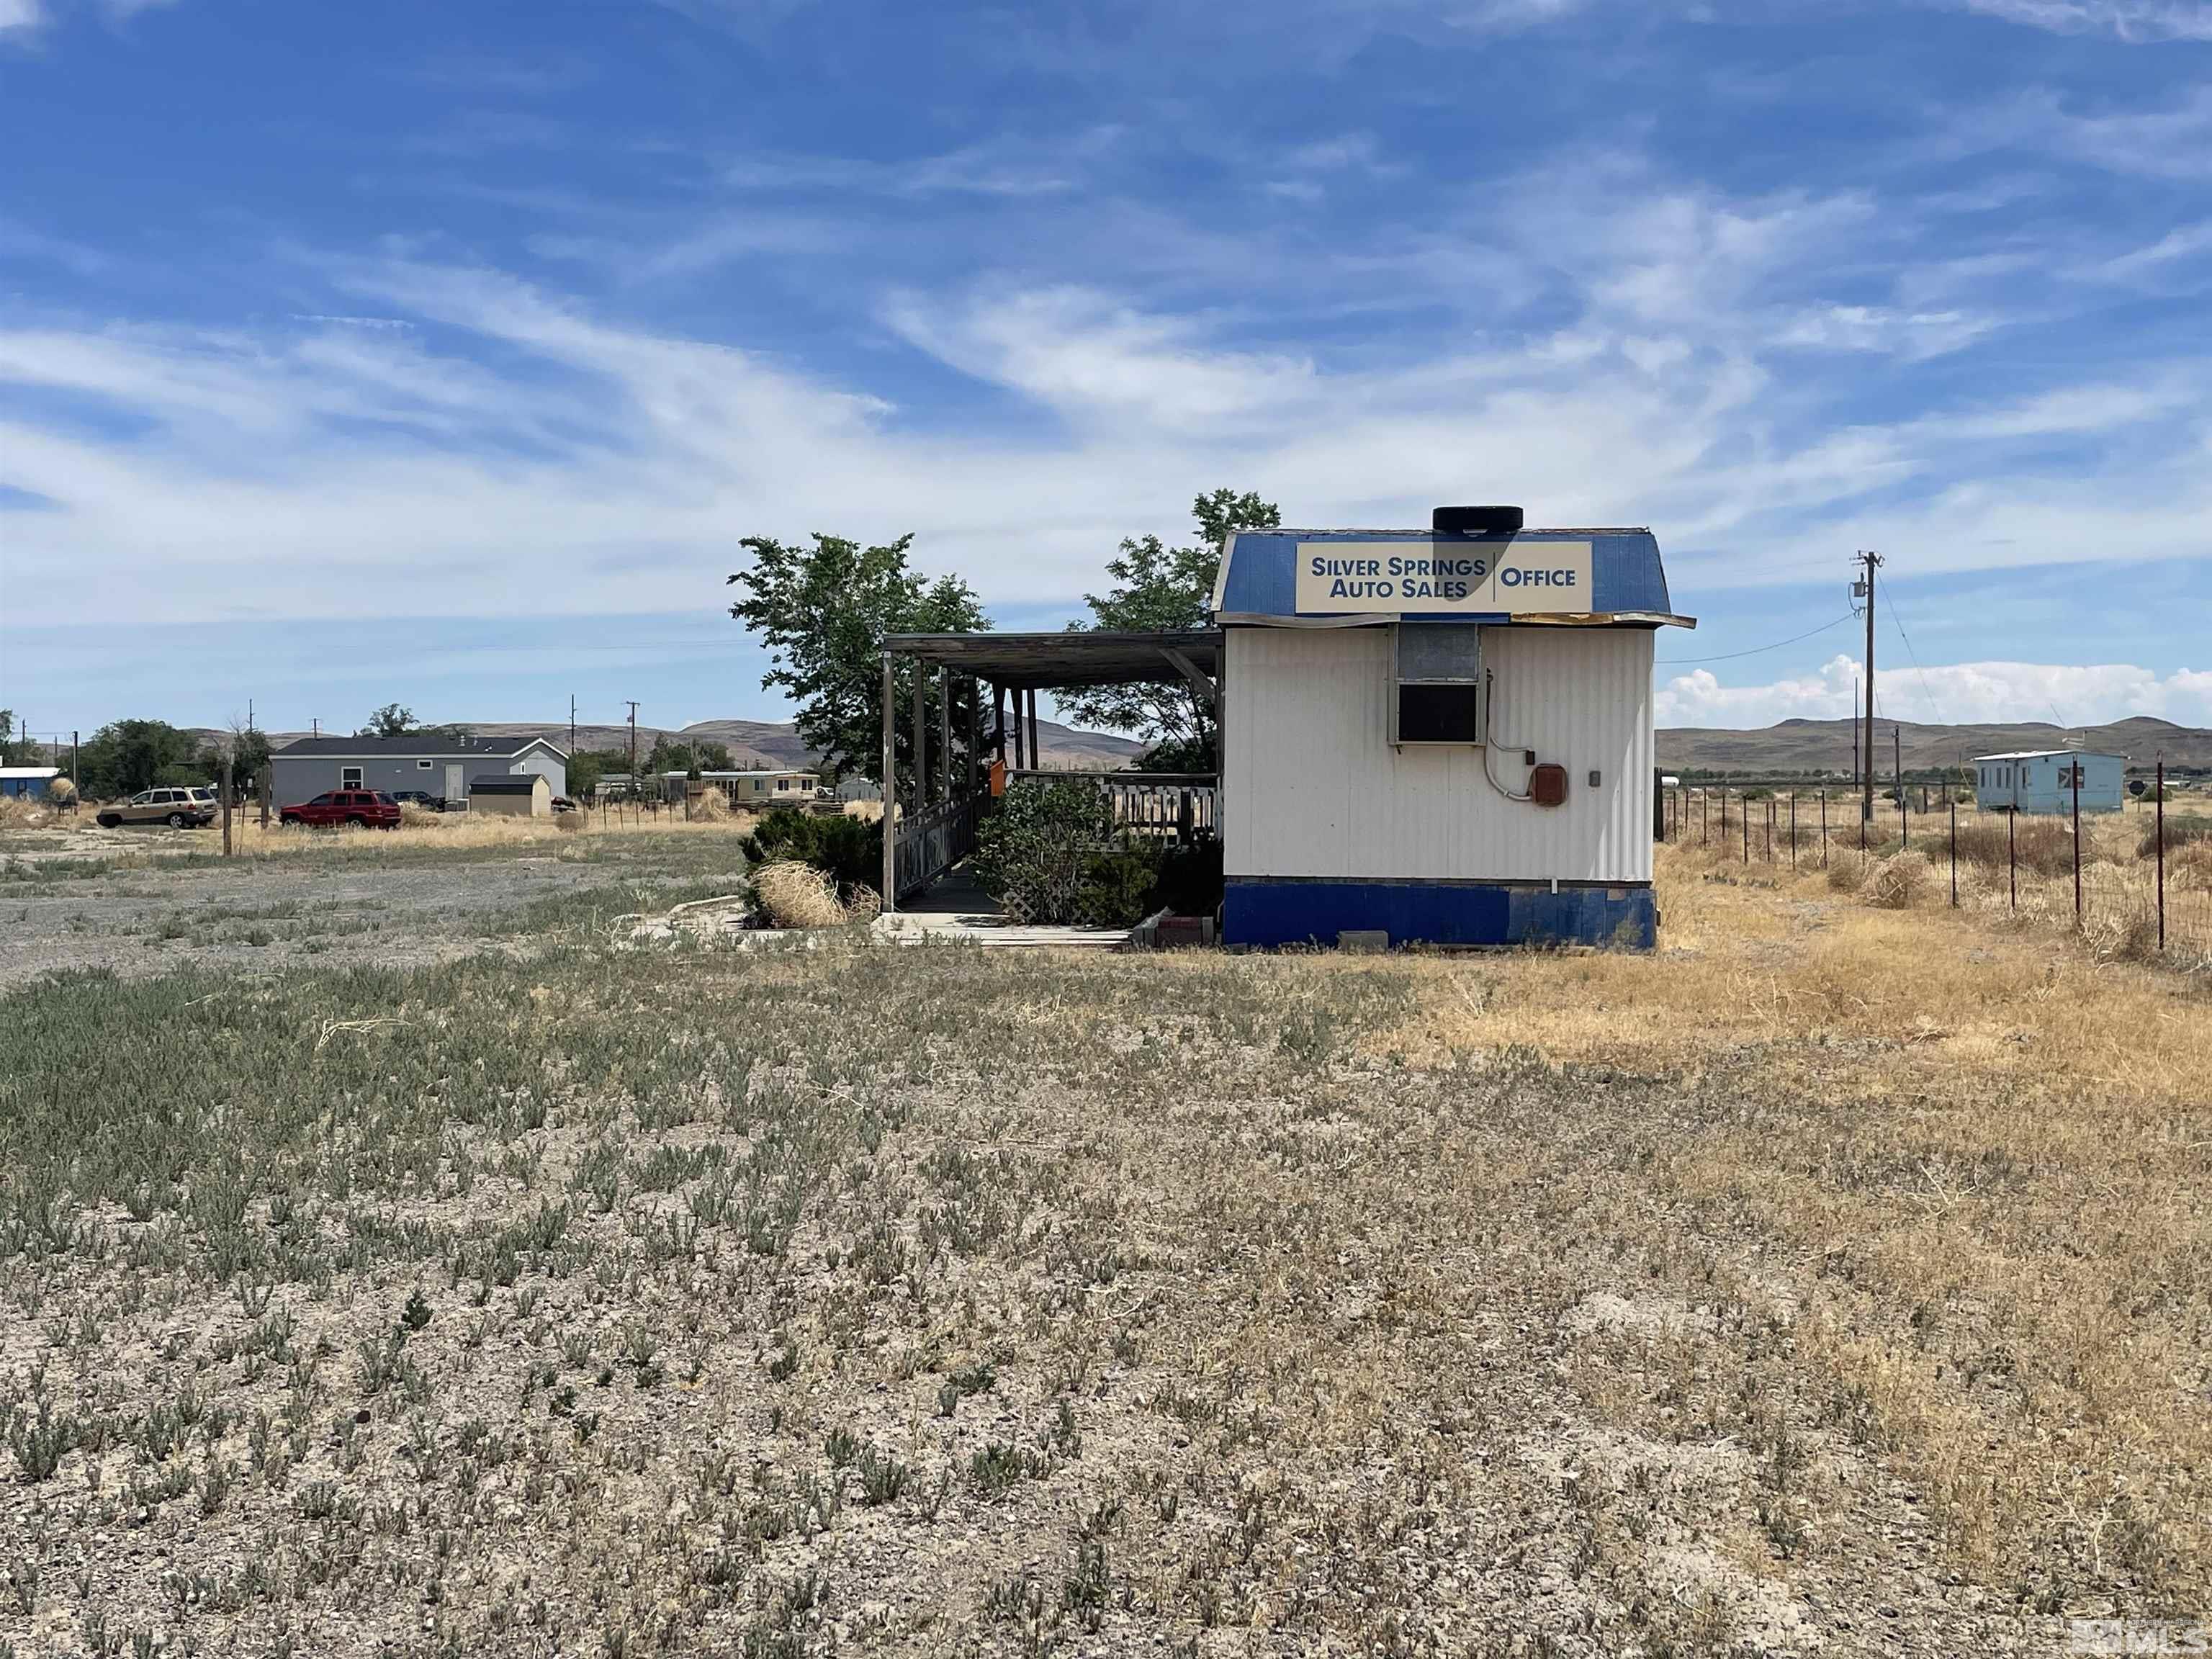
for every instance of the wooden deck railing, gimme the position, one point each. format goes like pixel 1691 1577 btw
pixel 933 840
pixel 1178 807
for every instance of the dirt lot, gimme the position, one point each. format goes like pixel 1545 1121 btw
pixel 1835 1282
pixel 149 902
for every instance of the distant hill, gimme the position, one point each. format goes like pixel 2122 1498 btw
pixel 757 742
pixel 1826 745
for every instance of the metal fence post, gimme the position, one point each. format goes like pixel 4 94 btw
pixel 1743 812
pixel 1954 855
pixel 2158 834
pixel 1793 831
pixel 2075 773
pixel 1770 830
pixel 1824 828
pixel 2012 855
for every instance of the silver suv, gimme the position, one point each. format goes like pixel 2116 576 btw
pixel 178 808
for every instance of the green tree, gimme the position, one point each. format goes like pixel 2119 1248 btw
pixel 1162 589
pixel 124 756
pixel 249 753
pixel 14 750
pixel 587 766
pixel 822 611
pixel 390 722
pixel 715 757
pixel 665 757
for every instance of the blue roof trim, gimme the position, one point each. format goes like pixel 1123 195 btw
pixel 1259 575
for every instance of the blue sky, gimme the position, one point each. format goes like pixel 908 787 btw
pixel 443 352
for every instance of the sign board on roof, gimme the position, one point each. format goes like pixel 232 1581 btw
pixel 1440 577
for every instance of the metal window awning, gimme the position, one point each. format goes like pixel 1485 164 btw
pixel 1076 657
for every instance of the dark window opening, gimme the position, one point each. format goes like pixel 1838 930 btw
pixel 1439 714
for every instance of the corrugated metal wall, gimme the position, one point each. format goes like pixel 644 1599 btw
pixel 1314 789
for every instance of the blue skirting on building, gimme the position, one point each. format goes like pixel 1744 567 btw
pixel 1274 911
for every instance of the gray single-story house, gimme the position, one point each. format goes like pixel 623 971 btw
pixel 436 764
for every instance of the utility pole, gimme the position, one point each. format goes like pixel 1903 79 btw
pixel 1863 588
pixel 633 748
pixel 572 724
pixel 73 758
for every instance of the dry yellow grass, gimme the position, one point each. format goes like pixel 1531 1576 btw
pixel 417 829
pixel 1976 1154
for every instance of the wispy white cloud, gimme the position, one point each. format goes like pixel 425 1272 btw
pixel 2166 137
pixel 22 17
pixel 2145 20
pixel 1955 693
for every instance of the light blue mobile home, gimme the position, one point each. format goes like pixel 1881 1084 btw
pixel 2043 779
pixel 27 780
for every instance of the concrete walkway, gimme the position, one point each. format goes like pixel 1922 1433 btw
pixel 955 907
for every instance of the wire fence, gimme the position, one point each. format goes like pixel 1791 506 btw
pixel 2138 881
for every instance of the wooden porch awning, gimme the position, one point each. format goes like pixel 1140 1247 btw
pixel 1077 657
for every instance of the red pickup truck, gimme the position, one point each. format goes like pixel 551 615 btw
pixel 363 808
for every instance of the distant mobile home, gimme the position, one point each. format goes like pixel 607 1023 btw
pixel 437 765
pixel 33 780
pixel 2043 779
pixel 764 787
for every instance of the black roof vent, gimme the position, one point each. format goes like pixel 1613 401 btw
pixel 1475 521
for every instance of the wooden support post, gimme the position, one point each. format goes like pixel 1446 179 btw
pixel 919 738
pixel 945 735
pixel 974 733
pixel 1036 739
pixel 998 720
pixel 890 789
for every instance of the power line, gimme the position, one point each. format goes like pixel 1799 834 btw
pixel 1732 656
pixel 1927 690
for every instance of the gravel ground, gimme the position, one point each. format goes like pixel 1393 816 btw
pixel 256 915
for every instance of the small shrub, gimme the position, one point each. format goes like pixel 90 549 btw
pixel 2189 867
pixel 2188 830
pixel 1847 871
pixel 1899 883
pixel 1050 853
pixel 2043 847
pixel 568 824
pixel 849 850
pixel 795 895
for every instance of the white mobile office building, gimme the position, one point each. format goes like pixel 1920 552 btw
pixel 1440 735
